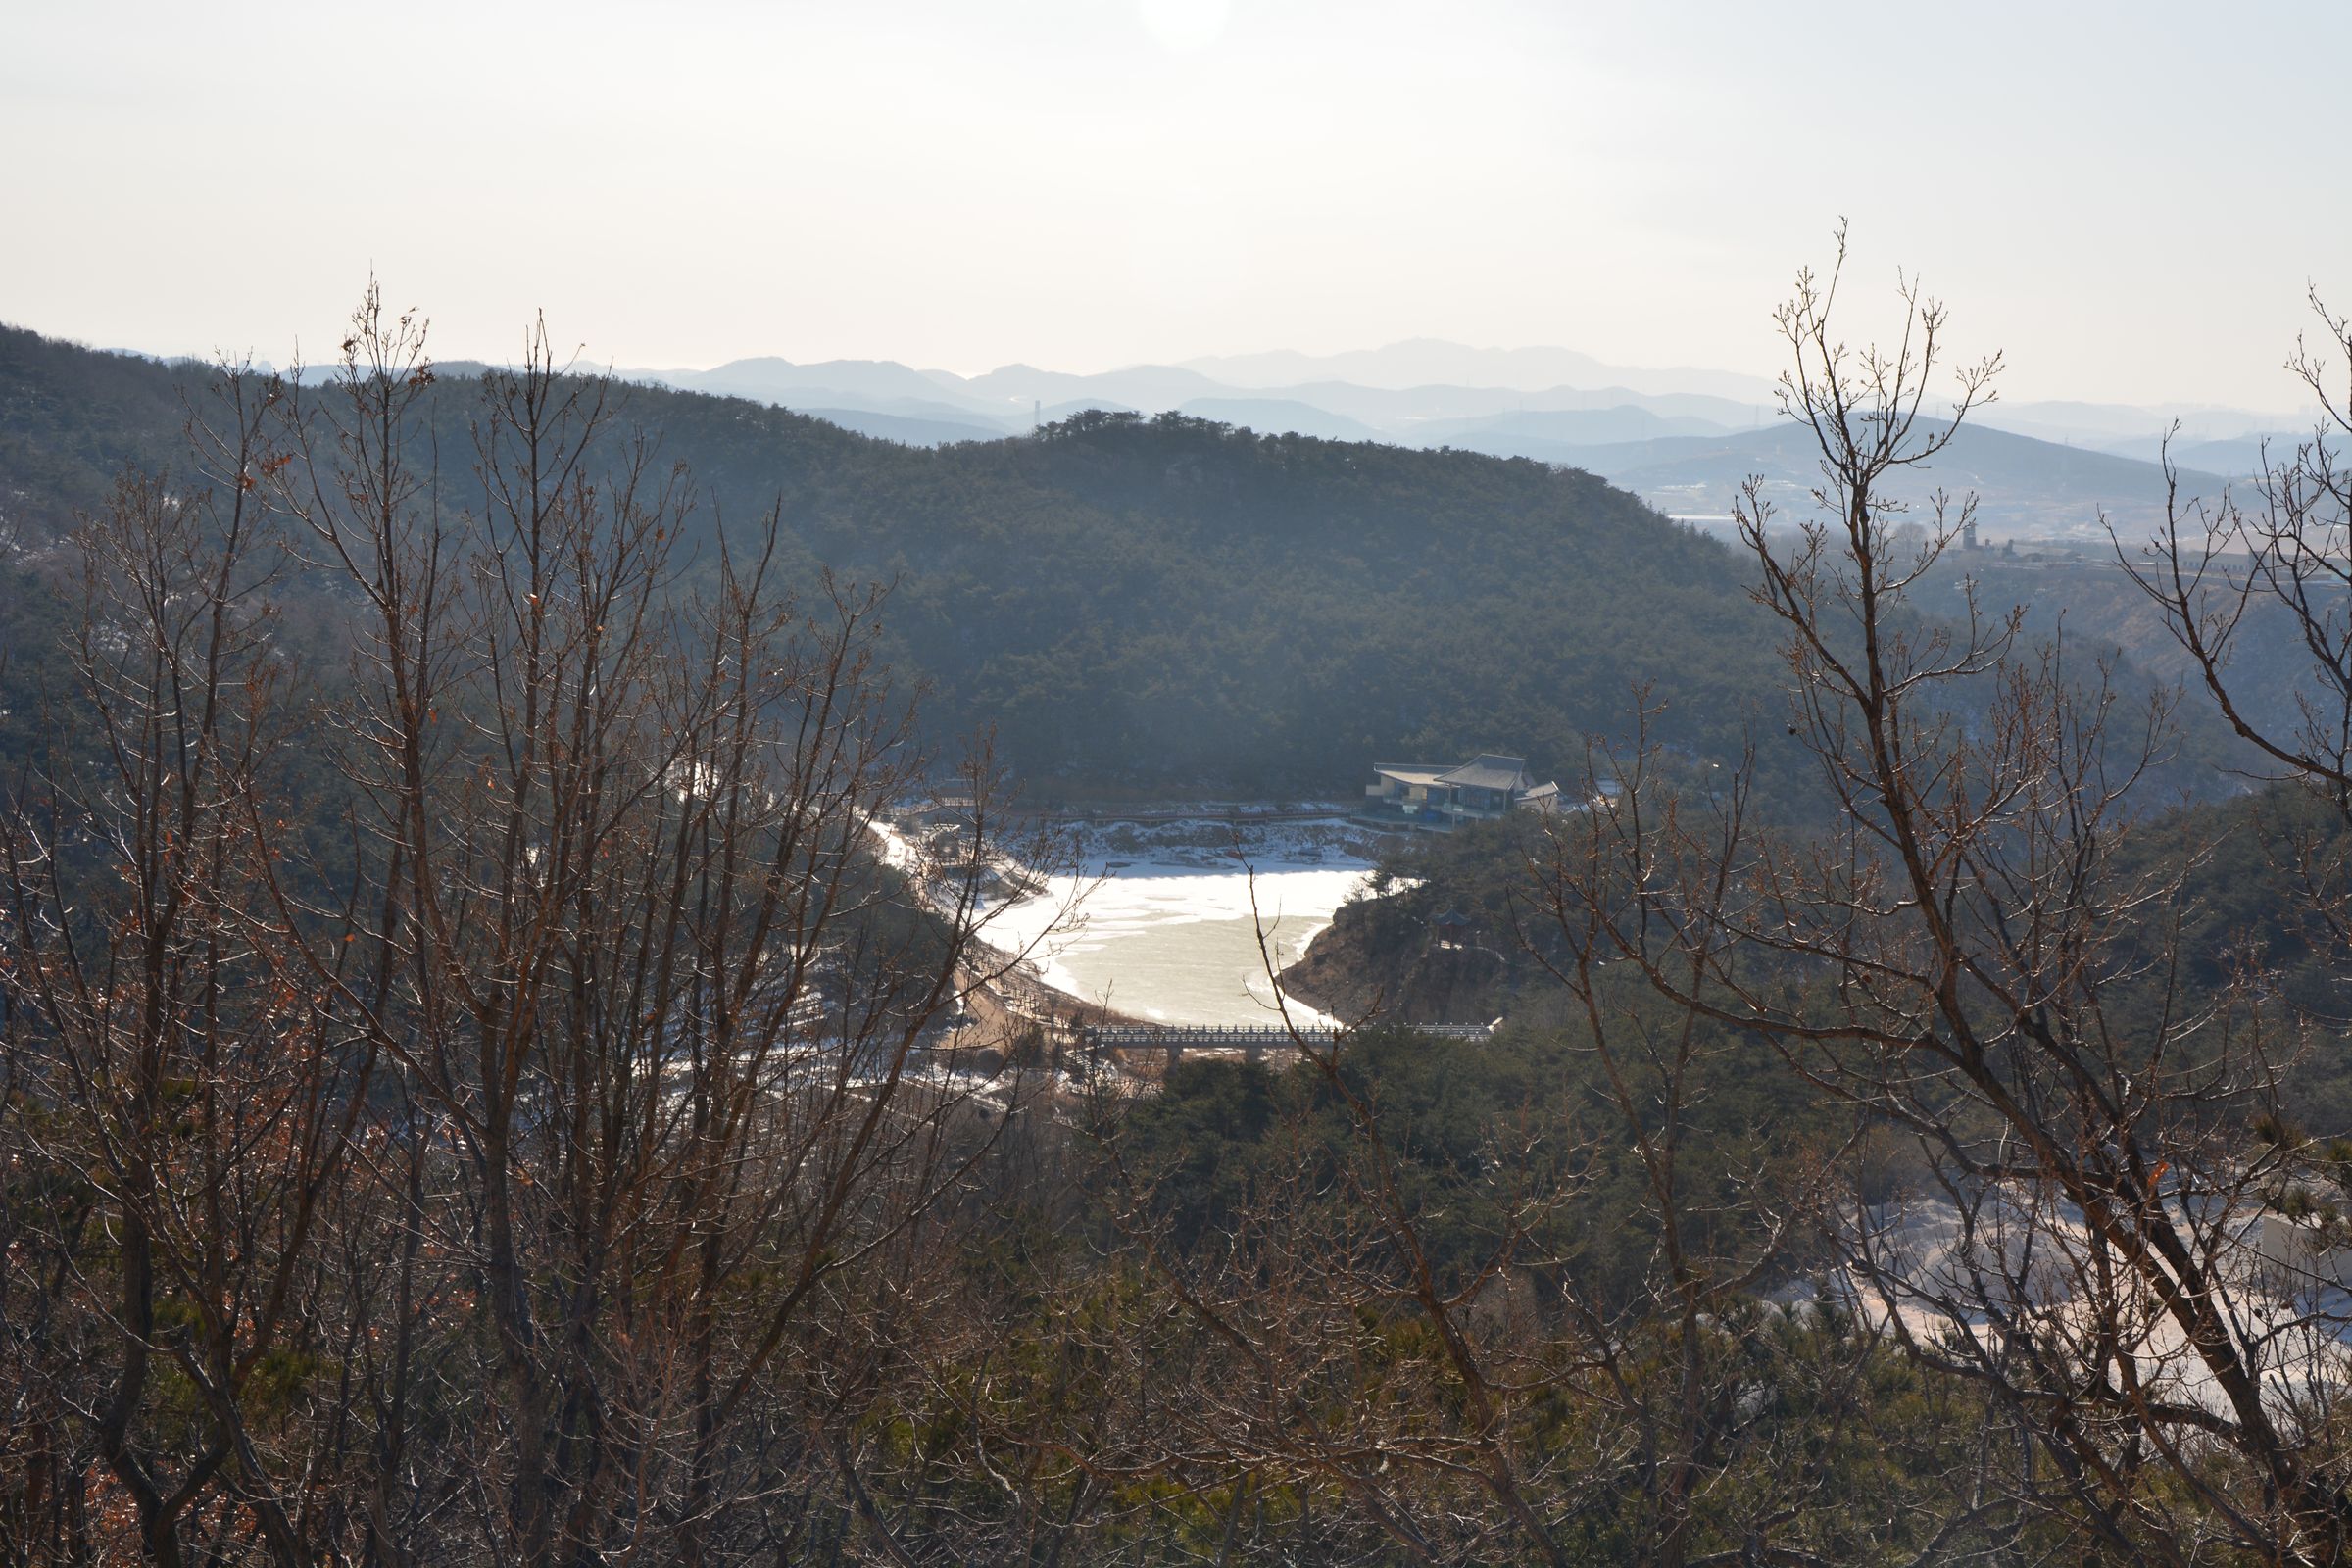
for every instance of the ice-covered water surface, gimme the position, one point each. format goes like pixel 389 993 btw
pixel 1173 939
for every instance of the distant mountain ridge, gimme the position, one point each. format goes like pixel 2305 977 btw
pixel 1393 396
pixel 2050 470
pixel 1425 391
pixel 1685 450
pixel 1425 360
pixel 2038 468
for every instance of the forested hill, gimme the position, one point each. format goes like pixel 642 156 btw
pixel 1171 600
pixel 1156 604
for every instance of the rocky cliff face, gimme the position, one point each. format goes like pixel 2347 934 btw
pixel 1378 957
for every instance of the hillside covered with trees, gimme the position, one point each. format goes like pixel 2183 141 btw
pixel 1151 604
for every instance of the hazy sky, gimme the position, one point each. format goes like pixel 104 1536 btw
pixel 2129 199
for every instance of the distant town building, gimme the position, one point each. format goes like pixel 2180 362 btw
pixel 1441 796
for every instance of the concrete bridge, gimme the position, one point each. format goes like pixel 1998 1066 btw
pixel 1253 1042
pixel 1220 815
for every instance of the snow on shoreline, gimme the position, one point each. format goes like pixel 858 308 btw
pixel 1162 921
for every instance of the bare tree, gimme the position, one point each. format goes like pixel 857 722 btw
pixel 482 1104
pixel 1724 1302
pixel 1970 959
pixel 2215 571
pixel 630 950
pixel 2258 596
pixel 185 1089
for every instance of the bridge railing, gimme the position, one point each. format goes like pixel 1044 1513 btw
pixel 1176 1038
